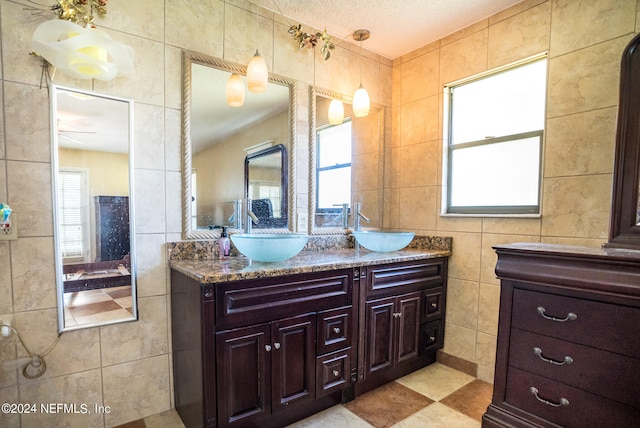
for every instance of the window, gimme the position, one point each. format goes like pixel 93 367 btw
pixel 494 143
pixel 333 166
pixel 74 215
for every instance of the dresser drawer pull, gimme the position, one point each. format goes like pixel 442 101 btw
pixel 570 316
pixel 567 359
pixel 336 330
pixel 563 401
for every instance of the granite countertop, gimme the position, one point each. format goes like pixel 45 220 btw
pixel 237 268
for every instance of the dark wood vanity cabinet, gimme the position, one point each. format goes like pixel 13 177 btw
pixel 403 319
pixel 567 353
pixel 269 351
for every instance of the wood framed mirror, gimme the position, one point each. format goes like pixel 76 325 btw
pixel 216 138
pixel 624 231
pixel 92 175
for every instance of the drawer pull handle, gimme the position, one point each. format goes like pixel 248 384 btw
pixel 432 339
pixel 336 330
pixel 336 373
pixel 570 316
pixel 563 401
pixel 434 305
pixel 567 359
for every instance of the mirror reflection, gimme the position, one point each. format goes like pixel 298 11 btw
pixel 266 185
pixel 217 140
pixel 347 167
pixel 91 171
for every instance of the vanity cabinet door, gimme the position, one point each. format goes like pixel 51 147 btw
pixel 244 369
pixel 408 320
pixel 294 361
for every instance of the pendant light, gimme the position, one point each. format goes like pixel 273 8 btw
pixel 361 102
pixel 257 73
pixel 336 112
pixel 235 91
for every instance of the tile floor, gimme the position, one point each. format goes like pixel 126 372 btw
pixel 91 306
pixel 434 397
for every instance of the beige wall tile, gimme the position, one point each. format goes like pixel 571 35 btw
pixel 418 52
pixel 464 263
pixel 418 208
pixel 135 340
pixel 460 342
pixel 489 256
pixel 580 144
pixel 330 74
pixel 29 195
pixel 592 22
pixel 33 271
pixel 459 224
pixel 465 32
pixel 27 108
pixel 173 77
pixel 486 350
pixel 464 57
pixel 420 77
pixel 462 303
pixel 136 389
pixel 365 172
pixel 577 206
pixel 174 193
pixel 582 242
pixel 525 34
pixel 144 19
pixel 77 350
pixel 9 395
pixel 173 139
pixel 2 149
pixel 148 136
pixel 289 61
pixel 420 121
pixel 149 201
pixel 195 25
pixel 239 46
pixel 585 80
pixel 78 388
pixel 488 309
pixel 521 7
pixel 486 373
pixel 512 226
pixel 6 296
pixel 419 164
pixel 151 263
pixel 8 353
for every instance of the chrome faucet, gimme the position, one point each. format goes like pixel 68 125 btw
pixel 249 216
pixel 356 217
pixel 236 217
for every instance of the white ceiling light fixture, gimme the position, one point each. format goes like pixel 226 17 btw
pixel 361 101
pixel 84 53
pixel 336 112
pixel 235 90
pixel 257 73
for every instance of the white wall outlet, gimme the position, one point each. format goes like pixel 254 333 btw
pixel 5 328
pixel 11 233
pixel 303 223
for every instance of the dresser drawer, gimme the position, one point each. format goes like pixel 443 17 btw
pixel 334 329
pixel 582 321
pixel 333 372
pixel 603 373
pixel 545 398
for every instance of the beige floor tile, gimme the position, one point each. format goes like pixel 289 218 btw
pixel 436 381
pixel 334 417
pixel 438 415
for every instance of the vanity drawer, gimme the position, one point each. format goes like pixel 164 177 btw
pixel 431 336
pixel 433 304
pixel 272 298
pixel 578 320
pixel 581 409
pixel 333 372
pixel 586 368
pixel 334 329
pixel 402 278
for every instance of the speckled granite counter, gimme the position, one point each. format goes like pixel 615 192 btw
pixel 198 259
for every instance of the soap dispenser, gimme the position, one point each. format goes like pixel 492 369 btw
pixel 224 244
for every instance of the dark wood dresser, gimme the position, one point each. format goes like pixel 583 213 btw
pixel 567 353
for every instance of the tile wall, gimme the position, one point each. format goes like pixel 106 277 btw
pixel 585 40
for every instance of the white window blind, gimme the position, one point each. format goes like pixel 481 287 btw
pixel 333 183
pixel 73 213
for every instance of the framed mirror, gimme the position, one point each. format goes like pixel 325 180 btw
pixel 625 210
pixel 217 138
pixel 346 163
pixel 265 182
pixel 92 176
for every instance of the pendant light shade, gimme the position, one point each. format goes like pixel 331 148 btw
pixel 361 102
pixel 257 74
pixel 235 91
pixel 84 53
pixel 336 112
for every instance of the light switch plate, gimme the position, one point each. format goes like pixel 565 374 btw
pixel 11 234
pixel 303 224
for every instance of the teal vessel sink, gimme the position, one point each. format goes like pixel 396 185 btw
pixel 269 247
pixel 383 242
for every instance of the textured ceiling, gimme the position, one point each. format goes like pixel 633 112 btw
pixel 397 26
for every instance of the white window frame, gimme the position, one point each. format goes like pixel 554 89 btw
pixel 487 211
pixel 84 214
pixel 320 169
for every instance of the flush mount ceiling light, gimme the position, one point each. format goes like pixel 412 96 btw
pixel 235 91
pixel 336 112
pixel 84 53
pixel 361 102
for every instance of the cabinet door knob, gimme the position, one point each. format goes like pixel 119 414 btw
pixel 432 339
pixel 570 316
pixel 267 348
pixel 208 292
pixel 336 373
pixel 434 305
pixel 336 330
pixel 276 345
pixel 567 359
pixel 397 314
